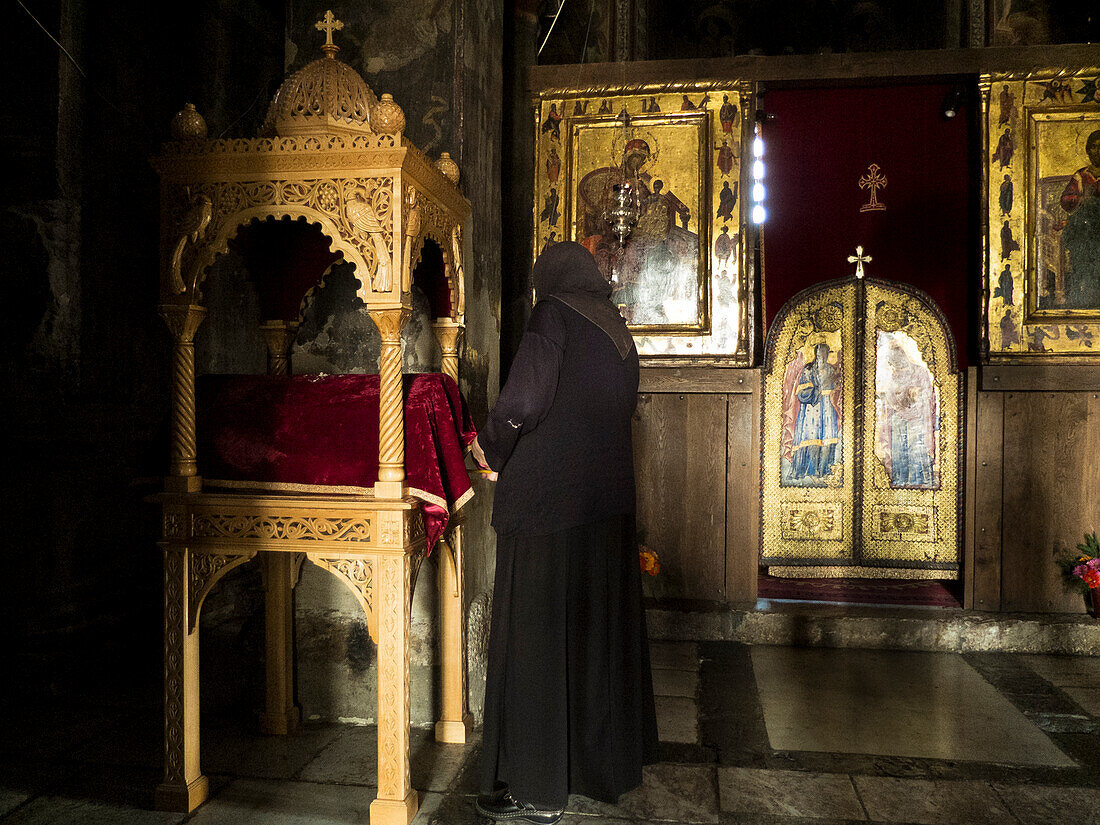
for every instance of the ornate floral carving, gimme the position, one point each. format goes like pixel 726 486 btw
pixel 324 96
pixel 358 574
pixel 175 525
pixel 359 212
pixel 204 570
pixel 393 678
pixel 173 667
pixel 313 528
pixel 414 528
pixel 810 520
pixel 287 143
pixel 389 527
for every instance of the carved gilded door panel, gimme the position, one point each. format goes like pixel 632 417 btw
pixel 808 463
pixel 861 434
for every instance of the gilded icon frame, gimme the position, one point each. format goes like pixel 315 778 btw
pixel 721 330
pixel 1041 238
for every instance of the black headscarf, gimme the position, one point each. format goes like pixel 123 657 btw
pixel 567 272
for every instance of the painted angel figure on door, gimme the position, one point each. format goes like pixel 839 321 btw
pixel 906 413
pixel 812 413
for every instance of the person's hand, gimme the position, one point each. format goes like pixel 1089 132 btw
pixel 479 455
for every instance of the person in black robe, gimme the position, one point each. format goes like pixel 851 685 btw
pixel 569 696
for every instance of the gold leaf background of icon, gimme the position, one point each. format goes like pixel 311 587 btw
pixel 728 341
pixel 1011 100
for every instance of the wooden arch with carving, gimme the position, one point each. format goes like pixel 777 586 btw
pixel 337 160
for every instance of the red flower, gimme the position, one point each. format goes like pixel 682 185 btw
pixel 1088 574
pixel 649 561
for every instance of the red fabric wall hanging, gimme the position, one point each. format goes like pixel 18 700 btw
pixel 821 142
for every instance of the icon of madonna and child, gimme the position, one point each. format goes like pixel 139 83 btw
pixel 655 276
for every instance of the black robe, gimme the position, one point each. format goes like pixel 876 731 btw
pixel 569 700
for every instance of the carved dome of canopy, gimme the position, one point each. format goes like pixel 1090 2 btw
pixel 325 97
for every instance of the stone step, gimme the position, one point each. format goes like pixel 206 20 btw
pixel 869 627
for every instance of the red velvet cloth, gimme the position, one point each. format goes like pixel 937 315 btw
pixel 820 144
pixel 323 430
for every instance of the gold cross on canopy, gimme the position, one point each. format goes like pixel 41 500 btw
pixel 873 180
pixel 859 259
pixel 328 24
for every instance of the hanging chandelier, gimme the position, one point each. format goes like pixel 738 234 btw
pixel 623 206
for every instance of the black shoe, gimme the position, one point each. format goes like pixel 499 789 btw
pixel 501 806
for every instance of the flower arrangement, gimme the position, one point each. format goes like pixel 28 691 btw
pixel 651 565
pixel 1081 566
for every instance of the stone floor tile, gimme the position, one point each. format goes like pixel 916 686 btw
pixel 11 799
pixel 678 793
pixel 668 682
pixel 893 703
pixel 790 793
pixel 440 809
pixel 728 818
pixel 1087 697
pixel 1048 805
pixel 677 719
pixel 266 802
pixel 931 802
pixel 1063 671
pixel 352 759
pixel 234 749
pixel 674 655
pixel 51 810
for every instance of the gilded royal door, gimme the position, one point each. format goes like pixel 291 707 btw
pixel 861 435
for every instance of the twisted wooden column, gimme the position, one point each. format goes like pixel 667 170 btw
pixel 279 337
pixel 391 404
pixel 448 333
pixel 183 320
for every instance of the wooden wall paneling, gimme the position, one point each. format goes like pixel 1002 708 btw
pixel 743 495
pixel 1049 377
pixel 969 486
pixel 988 502
pixel 1046 436
pixel 680 466
pixel 696 379
pixel 1090 489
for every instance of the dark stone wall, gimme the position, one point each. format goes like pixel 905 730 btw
pixel 83 377
pixel 85 374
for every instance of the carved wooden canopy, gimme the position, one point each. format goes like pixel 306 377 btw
pixel 331 154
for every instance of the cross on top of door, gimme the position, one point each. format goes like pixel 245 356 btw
pixel 859 259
